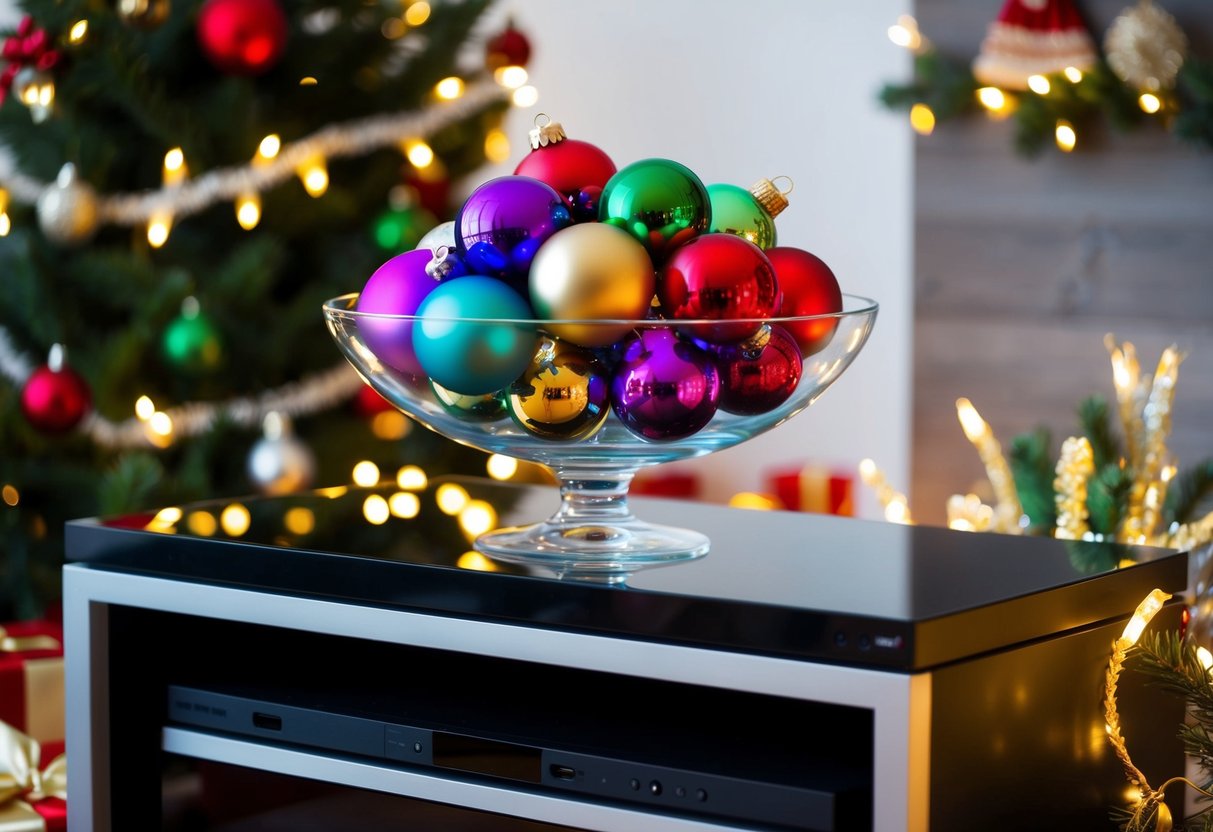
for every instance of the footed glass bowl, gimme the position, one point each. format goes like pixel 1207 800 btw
pixel 642 393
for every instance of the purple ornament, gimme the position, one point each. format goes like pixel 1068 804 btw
pixel 504 221
pixel 396 288
pixel 760 373
pixel 664 388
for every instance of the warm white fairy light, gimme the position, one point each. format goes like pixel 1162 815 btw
pixel 1007 510
pixel 449 88
pixel 144 408
pixel 922 119
pixel 248 211
pixel 417 13
pixel 299 520
pixel 158 228
pixel 1065 135
pixel 365 473
pixel 451 498
pixel 420 154
pixel 496 146
pixel 1073 74
pixel 477 517
pixel 161 424
pixel 269 147
pixel 511 77
pixel 501 467
pixel 315 176
pixel 235 520
pixel 476 562
pixel 526 96
pixel 1149 103
pixel 992 98
pixel 375 509
pixel 10 495
pixel 202 523
pixel 78 32
pixel 896 507
pixel 404 504
pixel 1039 84
pixel 175 169
pixel 411 478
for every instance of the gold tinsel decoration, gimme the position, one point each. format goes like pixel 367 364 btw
pixel 1145 47
pixel 1075 466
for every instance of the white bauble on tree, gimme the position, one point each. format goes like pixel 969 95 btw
pixel 67 208
pixel 279 463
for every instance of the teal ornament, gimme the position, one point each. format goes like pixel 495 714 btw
pixel 473 336
pixel 661 203
pixel 737 211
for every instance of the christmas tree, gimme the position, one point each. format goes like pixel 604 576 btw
pixel 187 182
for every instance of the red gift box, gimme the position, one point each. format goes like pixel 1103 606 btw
pixel 813 488
pixel 31 679
pixel 37 779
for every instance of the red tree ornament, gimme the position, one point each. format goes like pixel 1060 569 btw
pixel 1033 37
pixel 242 37
pixel 55 397
pixel 577 170
pixel 509 48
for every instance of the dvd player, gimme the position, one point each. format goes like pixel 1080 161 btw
pixel 779 792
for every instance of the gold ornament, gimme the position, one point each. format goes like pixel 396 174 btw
pixel 1146 47
pixel 144 14
pixel 67 209
pixel 563 395
pixel 592 272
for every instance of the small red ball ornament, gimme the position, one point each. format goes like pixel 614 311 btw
pixel 509 48
pixel 242 37
pixel 809 288
pixel 55 397
pixel 575 169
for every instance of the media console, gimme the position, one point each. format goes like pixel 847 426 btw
pixel 811 672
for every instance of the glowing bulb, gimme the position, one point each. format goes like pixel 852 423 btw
pixel 420 154
pixel 526 96
pixel 1073 74
pixel 511 77
pixel 417 13
pixel 299 520
pixel 174 166
pixel 167 516
pixel 501 467
pixel 1204 657
pixel 157 230
pixel 1065 135
pixel 451 498
pixel 6 224
pixel 411 478
pixel 315 177
pixel 1039 84
pixel 477 517
pixel 269 147
pixel 308 81
pixel 970 420
pixel 475 561
pixel 365 474
pixel 248 211
pixel 161 424
pixel 1145 611
pixel 202 523
pixel 1149 102
pixel 390 425
pixel 922 119
pixel 10 495
pixel 144 408
pixel 404 504
pixel 375 510
pixel 992 98
pixel 897 511
pixel 235 520
pixel 78 32
pixel 449 88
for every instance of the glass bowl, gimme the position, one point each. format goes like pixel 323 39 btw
pixel 655 392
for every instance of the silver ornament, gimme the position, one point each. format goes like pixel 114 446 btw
pixel 67 209
pixel 279 463
pixel 440 235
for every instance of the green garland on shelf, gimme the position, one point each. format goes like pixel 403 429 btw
pixel 948 87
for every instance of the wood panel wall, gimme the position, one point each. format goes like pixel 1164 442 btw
pixel 1022 267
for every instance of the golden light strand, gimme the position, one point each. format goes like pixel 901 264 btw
pixel 1127 382
pixel 1191 535
pixel 1075 465
pixel 1007 509
pixel 896 507
pixel 1156 426
pixel 967 513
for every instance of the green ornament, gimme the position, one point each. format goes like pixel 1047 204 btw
pixel 661 203
pixel 398 230
pixel 738 211
pixel 191 342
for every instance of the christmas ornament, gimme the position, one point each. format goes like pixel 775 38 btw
pixel 191 341
pixel 563 395
pixel 401 229
pixel 367 402
pixel 508 48
pixel 55 397
pixel 503 222
pixel 441 235
pixel 488 407
pixel 29 55
pixel 242 37
pixel 591 272
pixel 469 337
pixel 664 388
pixel 760 373
pixel 661 203
pixel 809 287
pixel 747 214
pixel 67 208
pixel 280 463
pixel 143 14
pixel 719 277
pixel 1033 37
pixel 396 288
pixel 1145 47
pixel 577 170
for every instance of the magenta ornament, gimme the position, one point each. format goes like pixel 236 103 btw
pixel 396 288
pixel 664 388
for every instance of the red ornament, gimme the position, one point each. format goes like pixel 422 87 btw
pixel 368 402
pixel 28 47
pixel 510 48
pixel 719 277
pixel 55 397
pixel 809 288
pixel 759 374
pixel 577 170
pixel 243 37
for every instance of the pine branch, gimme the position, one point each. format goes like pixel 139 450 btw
pixel 1107 497
pixel 1094 420
pixel 1031 461
pixel 1187 493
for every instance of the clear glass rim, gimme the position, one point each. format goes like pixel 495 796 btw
pixel 340 306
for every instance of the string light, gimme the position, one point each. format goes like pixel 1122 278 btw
pixel 895 506
pixel 365 474
pixel 1149 103
pixel 235 520
pixel 78 32
pixel 420 154
pixel 476 562
pixel 496 146
pixel 315 176
pixel 1007 510
pixel 526 96
pixel 248 211
pixel 450 88
pixel 202 523
pixel 299 520
pixel 476 518
pixel 905 33
pixel 922 119
pixel 411 478
pixel 10 494
pixel 1073 74
pixel 451 498
pixel 1065 135
pixel 404 504
pixel 6 224
pixel 511 77
pixel 992 98
pixel 417 13
pixel 1039 84
pixel 375 510
pixel 501 467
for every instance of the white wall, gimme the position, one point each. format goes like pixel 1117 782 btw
pixel 739 91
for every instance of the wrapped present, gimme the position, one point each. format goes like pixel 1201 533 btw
pixel 31 679
pixel 813 488
pixel 33 797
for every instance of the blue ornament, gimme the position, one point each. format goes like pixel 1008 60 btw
pixel 473 336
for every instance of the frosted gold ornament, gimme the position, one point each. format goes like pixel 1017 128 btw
pixel 1145 47
pixel 143 14
pixel 67 208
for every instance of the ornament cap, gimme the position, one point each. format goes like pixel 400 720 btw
pixel 550 132
pixel 772 200
pixel 57 358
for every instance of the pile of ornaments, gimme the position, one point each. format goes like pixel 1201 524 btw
pixel 526 305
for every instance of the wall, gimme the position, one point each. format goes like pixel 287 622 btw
pixel 1022 267
pixel 743 91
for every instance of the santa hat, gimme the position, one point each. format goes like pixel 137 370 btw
pixel 1033 37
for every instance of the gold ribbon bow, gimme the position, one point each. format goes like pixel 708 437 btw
pixel 20 644
pixel 23 782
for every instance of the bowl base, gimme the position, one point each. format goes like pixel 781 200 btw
pixel 599 552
